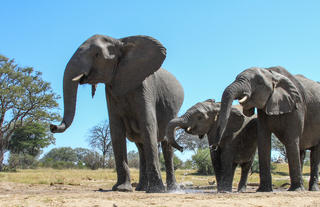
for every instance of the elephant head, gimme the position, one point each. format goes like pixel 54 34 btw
pixel 201 119
pixel 272 90
pixel 122 64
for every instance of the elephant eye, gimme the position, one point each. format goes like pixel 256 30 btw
pixel 96 55
pixel 199 118
pixel 260 81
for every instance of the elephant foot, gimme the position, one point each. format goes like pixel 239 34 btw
pixel 264 188
pixel 125 187
pixel 243 189
pixel 314 187
pixel 224 189
pixel 296 188
pixel 141 187
pixel 156 189
pixel 173 187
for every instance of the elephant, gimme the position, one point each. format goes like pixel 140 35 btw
pixel 288 106
pixel 238 146
pixel 141 97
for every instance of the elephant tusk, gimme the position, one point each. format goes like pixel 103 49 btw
pixel 77 78
pixel 189 129
pixel 241 101
pixel 216 117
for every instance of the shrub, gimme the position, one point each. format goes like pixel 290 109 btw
pixel 93 160
pixel 188 164
pixel 22 161
pixel 202 162
pixel 177 163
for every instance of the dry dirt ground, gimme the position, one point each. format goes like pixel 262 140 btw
pixel 18 195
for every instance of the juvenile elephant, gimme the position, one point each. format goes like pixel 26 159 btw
pixel 289 107
pixel 142 98
pixel 237 147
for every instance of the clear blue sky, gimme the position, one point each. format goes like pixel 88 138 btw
pixel 208 42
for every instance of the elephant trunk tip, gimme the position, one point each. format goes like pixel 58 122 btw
pixel 58 128
pixel 174 144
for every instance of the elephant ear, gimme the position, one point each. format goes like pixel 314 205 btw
pixel 140 57
pixel 284 97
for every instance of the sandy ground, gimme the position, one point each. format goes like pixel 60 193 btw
pixel 18 195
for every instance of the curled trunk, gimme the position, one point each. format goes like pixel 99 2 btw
pixel 232 92
pixel 171 129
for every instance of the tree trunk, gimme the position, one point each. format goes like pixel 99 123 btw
pixel 2 151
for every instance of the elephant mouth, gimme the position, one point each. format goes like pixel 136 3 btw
pixel 84 79
pixel 243 99
pixel 194 131
pixel 81 79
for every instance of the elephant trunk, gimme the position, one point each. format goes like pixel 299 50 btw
pixel 170 131
pixel 234 91
pixel 71 78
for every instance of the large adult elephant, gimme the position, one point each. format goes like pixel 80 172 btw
pixel 142 98
pixel 237 147
pixel 289 107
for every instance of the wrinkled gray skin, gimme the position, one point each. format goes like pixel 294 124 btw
pixel 289 107
pixel 238 146
pixel 142 98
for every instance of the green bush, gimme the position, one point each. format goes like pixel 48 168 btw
pixel 202 162
pixel 93 160
pixel 63 165
pixel 177 163
pixel 188 164
pixel 22 161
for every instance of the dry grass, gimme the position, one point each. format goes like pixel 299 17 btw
pixel 107 177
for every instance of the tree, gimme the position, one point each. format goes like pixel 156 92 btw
pixel 30 139
pixel 66 157
pixel 100 138
pixel 64 154
pixel 191 142
pixel 133 159
pixel 24 98
pixel 278 147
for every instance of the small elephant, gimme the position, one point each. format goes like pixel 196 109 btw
pixel 237 147
pixel 288 106
pixel 141 97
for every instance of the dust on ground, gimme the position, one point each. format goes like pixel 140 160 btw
pixel 16 194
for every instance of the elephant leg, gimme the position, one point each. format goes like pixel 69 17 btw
pixel 149 130
pixel 293 154
pixel 167 151
pixel 245 168
pixel 216 163
pixel 120 153
pixel 143 181
pixel 264 152
pixel 314 167
pixel 228 169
